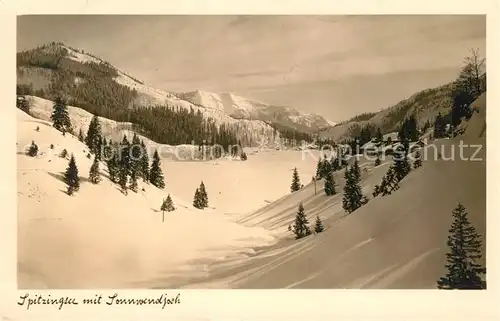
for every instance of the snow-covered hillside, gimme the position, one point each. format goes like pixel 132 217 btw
pixel 229 108
pixel 240 107
pixel 60 235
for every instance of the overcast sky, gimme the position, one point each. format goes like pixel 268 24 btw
pixel 336 66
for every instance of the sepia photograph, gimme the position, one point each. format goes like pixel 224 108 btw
pixel 251 151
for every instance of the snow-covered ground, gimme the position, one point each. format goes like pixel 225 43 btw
pixel 102 238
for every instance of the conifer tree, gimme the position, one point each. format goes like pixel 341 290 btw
pixel 301 226
pixel 197 200
pixel 319 168
pixel 144 163
pixel 464 271
pixel 156 174
pixel 295 181
pixel 94 137
pixel 439 127
pixel 60 116
pixel 94 175
pixel 136 152
pixel 418 160
pixel 378 161
pixel 330 184
pixel 122 181
pixel 402 165
pixel 112 163
pixel 63 153
pixel 133 182
pixel 203 195
pixel 168 204
pixel 318 227
pixel 33 149
pixel 80 136
pixel 71 176
pixel 353 195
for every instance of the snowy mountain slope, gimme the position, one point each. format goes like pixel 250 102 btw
pixel 394 242
pixel 256 131
pixel 45 67
pixel 60 235
pixel 240 107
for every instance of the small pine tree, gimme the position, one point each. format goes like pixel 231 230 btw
pixel 464 251
pixel 37 128
pixel 295 181
pixel 318 227
pixel 94 137
pixel 144 163
pixel 319 168
pixel 156 174
pixel 353 195
pixel 197 200
pixel 301 226
pixel 71 176
pixel 60 116
pixel 63 153
pixel 113 169
pixel 122 180
pixel 80 136
pixel 418 160
pixel 32 150
pixel 203 195
pixel 168 204
pixel 330 184
pixel 378 161
pixel 94 175
pixel 133 182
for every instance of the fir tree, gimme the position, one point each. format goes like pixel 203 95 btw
pixel 133 182
pixel 63 153
pixel 390 182
pixel 401 164
pixel 94 137
pixel 353 195
pixel 439 127
pixel 203 195
pixel 464 251
pixel 319 168
pixel 301 226
pixel 136 152
pixel 330 184
pixel 112 163
pixel 318 227
pixel 156 174
pixel 144 163
pixel 168 204
pixel 418 160
pixel 379 137
pixel 122 181
pixel 71 177
pixel 80 136
pixel 94 175
pixel 378 161
pixel 325 168
pixel 197 200
pixel 60 116
pixel 295 181
pixel 32 150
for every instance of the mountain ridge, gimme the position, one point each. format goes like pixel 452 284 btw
pixel 41 67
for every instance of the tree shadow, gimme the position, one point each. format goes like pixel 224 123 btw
pixel 60 177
